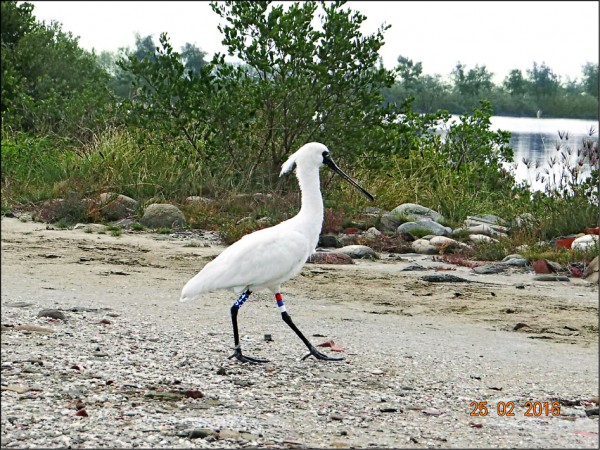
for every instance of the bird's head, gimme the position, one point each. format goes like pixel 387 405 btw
pixel 315 154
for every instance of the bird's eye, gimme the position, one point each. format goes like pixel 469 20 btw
pixel 325 154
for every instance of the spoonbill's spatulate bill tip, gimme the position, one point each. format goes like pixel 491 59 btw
pixel 267 258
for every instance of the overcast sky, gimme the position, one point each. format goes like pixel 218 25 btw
pixel 500 35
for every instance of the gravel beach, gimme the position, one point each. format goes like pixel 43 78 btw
pixel 97 352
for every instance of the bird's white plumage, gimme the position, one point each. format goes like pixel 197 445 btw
pixel 267 258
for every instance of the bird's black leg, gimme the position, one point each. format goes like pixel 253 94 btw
pixel 287 319
pixel 237 353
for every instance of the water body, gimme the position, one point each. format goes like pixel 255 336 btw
pixel 535 140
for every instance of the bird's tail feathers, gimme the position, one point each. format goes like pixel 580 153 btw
pixel 195 289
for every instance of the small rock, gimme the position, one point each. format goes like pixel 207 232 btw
pixel 444 278
pixel 90 227
pixel 512 256
pixel 489 269
pixel 18 388
pixel 359 252
pixel 518 262
pixel 329 258
pixel 413 211
pixel 164 396
pixel 81 413
pixel 423 247
pixel 372 233
pixel 433 412
pixel 52 313
pixel 328 240
pixel 191 393
pixel 388 409
pixel 481 238
pixel 544 266
pixel 201 433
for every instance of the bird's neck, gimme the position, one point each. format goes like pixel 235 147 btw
pixel 311 211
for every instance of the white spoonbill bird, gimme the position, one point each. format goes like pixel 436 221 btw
pixel 267 258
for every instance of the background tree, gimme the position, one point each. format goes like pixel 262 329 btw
pixel 193 57
pixel 168 103
pixel 475 83
pixel 409 71
pixel 49 84
pixel 590 79
pixel 543 82
pixel 303 83
pixel 515 83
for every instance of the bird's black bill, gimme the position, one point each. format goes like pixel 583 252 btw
pixel 333 166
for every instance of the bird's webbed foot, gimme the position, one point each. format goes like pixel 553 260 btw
pixel 237 353
pixel 317 354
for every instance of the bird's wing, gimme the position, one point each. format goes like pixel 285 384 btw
pixel 258 259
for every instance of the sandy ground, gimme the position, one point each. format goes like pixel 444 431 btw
pixel 409 328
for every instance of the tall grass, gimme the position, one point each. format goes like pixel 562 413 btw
pixel 36 169
pixel 114 162
pixel 31 166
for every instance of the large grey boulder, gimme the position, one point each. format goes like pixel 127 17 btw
pixel 428 224
pixel 389 222
pixel 116 206
pixel 412 211
pixel 159 215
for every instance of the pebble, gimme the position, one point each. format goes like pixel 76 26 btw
pixel 490 268
pixel 52 313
